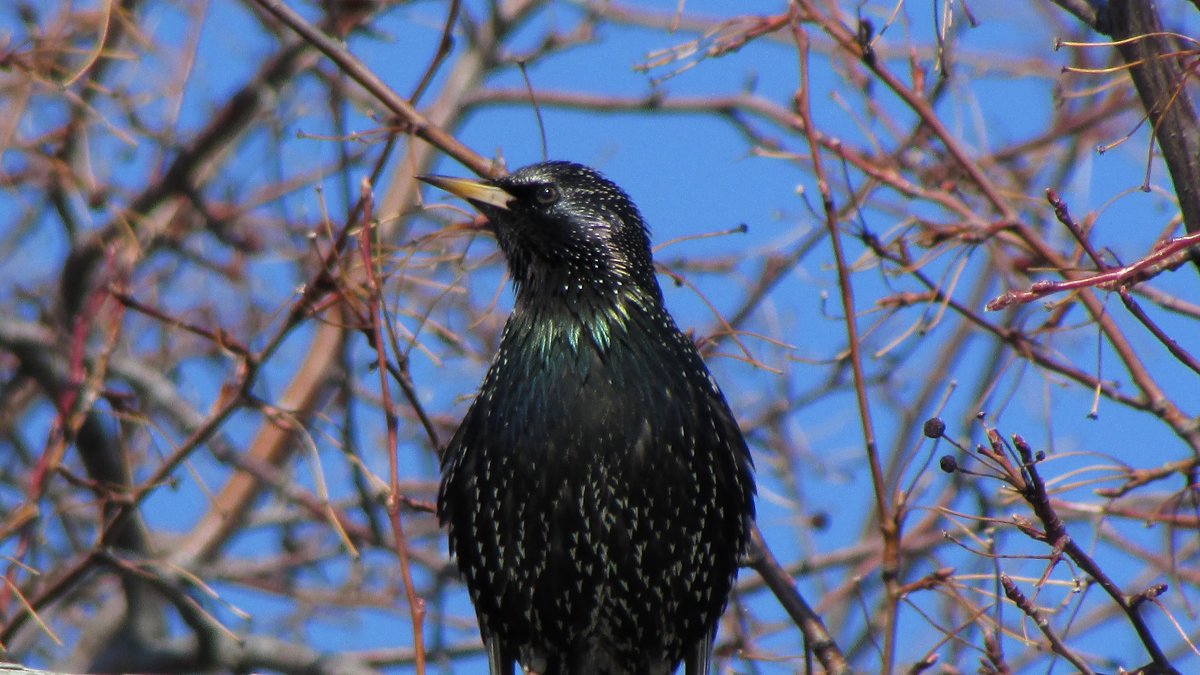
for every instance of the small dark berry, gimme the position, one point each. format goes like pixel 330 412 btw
pixel 934 427
pixel 819 520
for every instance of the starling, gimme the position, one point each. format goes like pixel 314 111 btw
pixel 598 494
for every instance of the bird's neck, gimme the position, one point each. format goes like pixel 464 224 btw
pixel 564 291
pixel 582 316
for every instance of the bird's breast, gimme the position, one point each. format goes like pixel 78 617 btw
pixel 596 481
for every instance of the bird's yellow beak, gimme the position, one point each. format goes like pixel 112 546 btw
pixel 474 191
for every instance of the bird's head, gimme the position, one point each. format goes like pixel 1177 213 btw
pixel 565 230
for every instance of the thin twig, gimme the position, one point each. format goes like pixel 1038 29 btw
pixel 374 331
pixel 1168 255
pixel 888 521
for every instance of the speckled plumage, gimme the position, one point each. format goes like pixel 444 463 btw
pixel 599 492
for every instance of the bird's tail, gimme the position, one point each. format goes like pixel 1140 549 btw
pixel 499 661
pixel 698 659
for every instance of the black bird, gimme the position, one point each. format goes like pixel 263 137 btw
pixel 598 493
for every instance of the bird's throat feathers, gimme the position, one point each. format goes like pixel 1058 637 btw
pixel 581 317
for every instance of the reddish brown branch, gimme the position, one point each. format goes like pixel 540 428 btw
pixel 349 64
pixel 816 637
pixel 1033 489
pixel 374 332
pixel 1168 255
pixel 1043 624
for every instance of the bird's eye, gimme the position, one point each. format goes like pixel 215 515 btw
pixel 546 195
